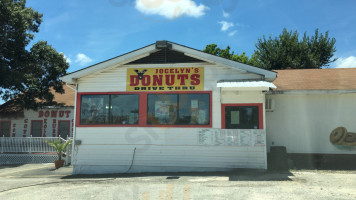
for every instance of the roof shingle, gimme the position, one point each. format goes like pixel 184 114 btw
pixel 316 79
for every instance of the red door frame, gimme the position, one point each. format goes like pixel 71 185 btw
pixel 260 112
pixel 68 121
pixel 9 126
pixel 41 126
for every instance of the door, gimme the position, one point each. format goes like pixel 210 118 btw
pixel 242 116
pixel 63 128
pixel 36 128
pixel 5 128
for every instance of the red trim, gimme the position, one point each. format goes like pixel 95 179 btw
pixel 68 121
pixel 9 127
pixel 142 109
pixel 260 112
pixel 41 126
pixel 77 115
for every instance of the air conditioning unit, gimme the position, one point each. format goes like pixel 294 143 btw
pixel 269 105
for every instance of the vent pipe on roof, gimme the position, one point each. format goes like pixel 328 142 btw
pixel 163 44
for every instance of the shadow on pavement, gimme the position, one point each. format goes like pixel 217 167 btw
pixel 10 166
pixel 236 175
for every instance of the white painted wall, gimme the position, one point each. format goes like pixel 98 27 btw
pixel 303 122
pixel 21 127
pixel 114 79
pixel 110 149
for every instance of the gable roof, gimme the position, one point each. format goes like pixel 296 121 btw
pixel 316 79
pixel 165 56
pixel 146 51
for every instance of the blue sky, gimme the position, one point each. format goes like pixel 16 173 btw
pixel 92 31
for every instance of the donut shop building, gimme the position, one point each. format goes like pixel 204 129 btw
pixel 169 108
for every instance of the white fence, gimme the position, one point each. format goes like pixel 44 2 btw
pixel 27 144
pixel 14 149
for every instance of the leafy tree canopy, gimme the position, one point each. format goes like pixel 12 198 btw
pixel 27 73
pixel 288 51
pixel 285 51
pixel 225 53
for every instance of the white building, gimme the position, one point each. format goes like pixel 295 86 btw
pixel 167 107
pixel 49 121
pixel 307 106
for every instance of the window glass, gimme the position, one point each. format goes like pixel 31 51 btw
pixel 109 109
pixel 124 109
pixel 194 109
pixel 162 108
pixel 242 117
pixel 178 109
pixel 5 128
pixel 94 109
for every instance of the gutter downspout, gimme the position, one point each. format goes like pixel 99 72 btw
pixel 74 158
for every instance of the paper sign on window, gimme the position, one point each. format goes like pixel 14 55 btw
pixel 194 104
pixel 235 117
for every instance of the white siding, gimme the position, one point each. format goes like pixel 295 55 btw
pixel 169 148
pixel 110 149
pixel 303 123
pixel 229 96
pixel 114 80
pixel 21 127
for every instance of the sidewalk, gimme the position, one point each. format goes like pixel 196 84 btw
pixel 41 181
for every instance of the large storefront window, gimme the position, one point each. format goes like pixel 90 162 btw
pixel 173 109
pixel 109 109
pixel 178 109
pixel 124 109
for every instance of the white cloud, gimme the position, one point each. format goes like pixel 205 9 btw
pixel 226 14
pixel 65 57
pixel 233 33
pixel 171 8
pixel 68 59
pixel 82 59
pixel 349 62
pixel 226 25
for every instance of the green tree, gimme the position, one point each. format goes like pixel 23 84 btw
pixel 27 73
pixel 225 53
pixel 289 51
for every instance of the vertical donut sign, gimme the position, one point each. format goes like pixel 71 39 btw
pixel 165 79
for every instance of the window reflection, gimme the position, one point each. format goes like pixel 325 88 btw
pixel 109 109
pixel 178 109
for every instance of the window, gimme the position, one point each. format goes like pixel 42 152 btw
pixel 5 127
pixel 178 109
pixel 63 128
pixel 109 109
pixel 144 109
pixel 36 128
pixel 124 109
pixel 242 116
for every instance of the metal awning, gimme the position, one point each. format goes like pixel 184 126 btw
pixel 245 84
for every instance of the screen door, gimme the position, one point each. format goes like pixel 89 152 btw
pixel 63 129
pixel 36 128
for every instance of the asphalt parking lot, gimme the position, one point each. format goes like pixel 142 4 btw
pixel 42 181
